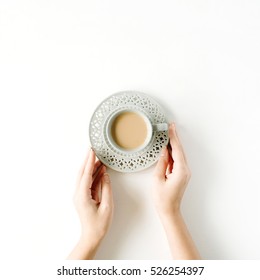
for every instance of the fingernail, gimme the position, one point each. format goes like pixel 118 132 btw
pixel 106 178
pixel 172 124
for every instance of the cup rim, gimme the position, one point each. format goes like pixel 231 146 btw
pixel 120 149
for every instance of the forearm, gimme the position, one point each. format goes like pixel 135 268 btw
pixel 85 249
pixel 180 241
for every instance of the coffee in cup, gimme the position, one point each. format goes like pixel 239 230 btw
pixel 130 130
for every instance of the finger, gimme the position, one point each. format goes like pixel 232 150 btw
pixel 95 191
pixel 177 150
pixel 170 165
pixel 106 202
pixel 86 179
pixel 98 165
pixel 183 153
pixel 96 185
pixel 162 164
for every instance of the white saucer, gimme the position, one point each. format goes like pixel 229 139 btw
pixel 120 161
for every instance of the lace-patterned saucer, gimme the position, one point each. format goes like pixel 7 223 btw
pixel 120 160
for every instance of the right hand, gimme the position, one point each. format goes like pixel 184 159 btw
pixel 171 176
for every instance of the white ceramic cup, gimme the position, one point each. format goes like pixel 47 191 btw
pixel 151 128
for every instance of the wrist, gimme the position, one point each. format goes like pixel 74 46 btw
pixel 86 239
pixel 169 211
pixel 87 248
pixel 170 216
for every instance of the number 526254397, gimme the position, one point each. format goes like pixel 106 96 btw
pixel 176 270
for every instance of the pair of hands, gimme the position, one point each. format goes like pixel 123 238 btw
pixel 94 200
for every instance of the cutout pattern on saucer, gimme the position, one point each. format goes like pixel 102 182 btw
pixel 120 161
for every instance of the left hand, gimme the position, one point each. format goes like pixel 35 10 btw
pixel 93 199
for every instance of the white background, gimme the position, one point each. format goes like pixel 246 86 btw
pixel 60 59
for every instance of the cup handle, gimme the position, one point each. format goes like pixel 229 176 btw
pixel 160 127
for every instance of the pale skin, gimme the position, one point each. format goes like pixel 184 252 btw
pixel 171 177
pixel 94 202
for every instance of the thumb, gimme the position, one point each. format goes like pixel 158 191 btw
pixel 106 202
pixel 162 164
